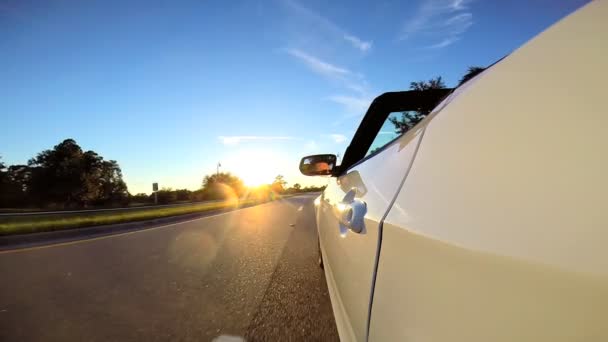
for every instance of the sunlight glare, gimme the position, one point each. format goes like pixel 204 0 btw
pixel 254 167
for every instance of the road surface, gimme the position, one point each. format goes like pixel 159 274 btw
pixel 250 273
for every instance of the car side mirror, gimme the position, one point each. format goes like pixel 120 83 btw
pixel 318 165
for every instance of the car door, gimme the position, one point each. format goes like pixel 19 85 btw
pixel 355 202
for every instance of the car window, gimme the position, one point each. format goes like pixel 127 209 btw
pixel 395 125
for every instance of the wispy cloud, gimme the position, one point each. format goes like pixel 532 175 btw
pixel 358 43
pixel 443 21
pixel 237 139
pixel 443 43
pixel 317 38
pixel 354 105
pixel 311 145
pixel 319 66
pixel 337 138
pixel 328 25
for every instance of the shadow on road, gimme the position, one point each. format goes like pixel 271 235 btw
pixel 296 304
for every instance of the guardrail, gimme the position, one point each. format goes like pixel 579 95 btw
pixel 91 211
pixel 86 211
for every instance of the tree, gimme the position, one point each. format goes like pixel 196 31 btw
pixel 433 83
pixel 13 185
pixel 3 176
pixel 471 72
pixel 278 185
pixel 65 176
pixel 222 185
pixel 407 120
pixel 139 198
pixel 22 181
pixel 102 180
pixel 410 118
pixel 183 194
pixel 165 196
pixel 294 189
pixel 313 188
pixel 198 195
pixel 114 189
pixel 60 177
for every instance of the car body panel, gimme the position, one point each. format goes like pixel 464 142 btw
pixel 429 290
pixel 350 258
pixel 499 230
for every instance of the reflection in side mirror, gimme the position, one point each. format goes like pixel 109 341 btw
pixel 318 165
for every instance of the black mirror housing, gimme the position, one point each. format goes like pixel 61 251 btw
pixel 318 165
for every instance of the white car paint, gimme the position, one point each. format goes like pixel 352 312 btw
pixel 350 258
pixel 499 226
pixel 499 232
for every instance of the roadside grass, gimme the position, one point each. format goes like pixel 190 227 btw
pixel 34 210
pixel 44 223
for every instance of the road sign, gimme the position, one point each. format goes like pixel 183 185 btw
pixel 154 186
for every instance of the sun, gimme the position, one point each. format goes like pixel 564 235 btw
pixel 254 167
pixel 253 178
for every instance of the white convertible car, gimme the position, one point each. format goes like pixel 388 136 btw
pixel 487 220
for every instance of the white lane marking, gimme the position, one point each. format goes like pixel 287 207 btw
pixel 301 208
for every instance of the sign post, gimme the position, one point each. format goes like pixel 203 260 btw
pixel 155 190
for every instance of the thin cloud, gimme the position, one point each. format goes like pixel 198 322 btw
pixel 354 105
pixel 337 138
pixel 358 43
pixel 327 32
pixel 237 139
pixel 443 43
pixel 310 145
pixel 328 25
pixel 319 66
pixel 443 21
pixel 358 87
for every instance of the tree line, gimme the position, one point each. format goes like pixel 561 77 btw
pixel 224 185
pixel 67 177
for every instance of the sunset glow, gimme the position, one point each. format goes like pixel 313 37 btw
pixel 254 167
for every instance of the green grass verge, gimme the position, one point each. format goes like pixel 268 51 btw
pixel 45 223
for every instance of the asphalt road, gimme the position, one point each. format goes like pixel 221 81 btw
pixel 246 273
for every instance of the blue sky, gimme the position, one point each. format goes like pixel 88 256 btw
pixel 169 88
